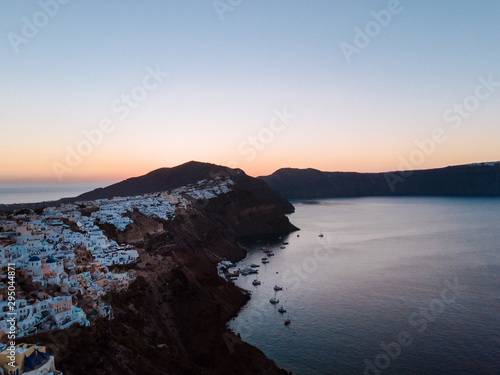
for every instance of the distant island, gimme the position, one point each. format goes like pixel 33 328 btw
pixel 477 179
pixel 480 179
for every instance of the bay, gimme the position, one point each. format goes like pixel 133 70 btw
pixel 423 272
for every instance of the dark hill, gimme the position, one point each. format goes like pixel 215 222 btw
pixel 172 320
pixel 464 180
pixel 158 180
pixel 164 179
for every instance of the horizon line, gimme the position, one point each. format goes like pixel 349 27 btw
pixel 112 181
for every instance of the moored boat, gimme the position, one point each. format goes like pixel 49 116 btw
pixel 249 270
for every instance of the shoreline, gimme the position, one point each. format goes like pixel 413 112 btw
pixel 248 294
pixel 174 316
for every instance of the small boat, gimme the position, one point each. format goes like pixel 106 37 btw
pixel 285 243
pixel 270 254
pixel 282 310
pixel 288 321
pixel 256 282
pixel 274 300
pixel 267 251
pixel 283 247
pixel 245 273
pixel 253 265
pixel 265 261
pixel 265 258
pixel 249 270
pixel 276 288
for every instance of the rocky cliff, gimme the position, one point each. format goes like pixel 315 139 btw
pixel 172 318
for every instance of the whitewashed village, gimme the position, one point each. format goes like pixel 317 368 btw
pixel 65 258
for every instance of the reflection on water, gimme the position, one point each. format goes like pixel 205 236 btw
pixel 375 279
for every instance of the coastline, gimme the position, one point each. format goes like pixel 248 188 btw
pixel 173 318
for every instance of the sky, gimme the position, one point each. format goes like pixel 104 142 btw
pixel 105 90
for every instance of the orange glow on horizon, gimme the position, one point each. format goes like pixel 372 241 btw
pixel 91 173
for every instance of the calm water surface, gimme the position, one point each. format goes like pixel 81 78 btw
pixel 39 192
pixel 383 270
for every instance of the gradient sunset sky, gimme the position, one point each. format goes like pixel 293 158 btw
pixel 225 73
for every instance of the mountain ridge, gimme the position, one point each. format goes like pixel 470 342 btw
pixel 164 179
pixel 474 179
pixel 160 179
pixel 477 179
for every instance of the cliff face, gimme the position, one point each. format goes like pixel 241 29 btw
pixel 143 227
pixel 171 321
pixel 172 318
pixel 464 180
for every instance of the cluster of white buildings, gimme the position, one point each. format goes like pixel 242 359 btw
pixel 51 254
pixel 64 249
pixel 39 315
pixel 156 205
pixel 207 189
pixel 47 237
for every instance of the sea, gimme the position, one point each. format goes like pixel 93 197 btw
pixel 394 286
pixel 34 192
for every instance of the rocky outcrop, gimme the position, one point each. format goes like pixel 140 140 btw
pixel 172 320
pixel 143 227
